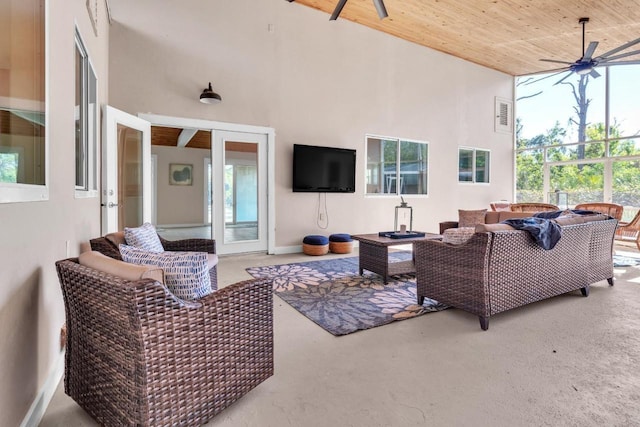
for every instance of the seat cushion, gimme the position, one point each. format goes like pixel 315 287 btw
pixel 458 236
pixel 315 240
pixel 144 237
pixel 100 262
pixel 186 273
pixel 340 237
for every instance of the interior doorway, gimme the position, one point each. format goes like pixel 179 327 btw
pixel 230 168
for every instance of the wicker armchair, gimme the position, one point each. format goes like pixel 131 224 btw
pixel 614 210
pixel 533 207
pixel 629 231
pixel 137 355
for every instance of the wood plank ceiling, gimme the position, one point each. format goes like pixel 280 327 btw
pixel 169 137
pixel 505 35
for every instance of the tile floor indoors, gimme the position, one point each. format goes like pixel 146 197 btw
pixel 566 361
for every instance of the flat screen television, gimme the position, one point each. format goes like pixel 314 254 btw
pixel 323 169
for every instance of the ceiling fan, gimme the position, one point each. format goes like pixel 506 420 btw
pixel 382 11
pixel 587 63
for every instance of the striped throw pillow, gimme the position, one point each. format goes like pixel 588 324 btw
pixel 144 237
pixel 185 273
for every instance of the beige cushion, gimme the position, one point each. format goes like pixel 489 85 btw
pixel 483 228
pixel 508 215
pixel 116 238
pixel 470 218
pixel 457 236
pixel 100 262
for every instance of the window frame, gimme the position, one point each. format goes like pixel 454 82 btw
pixel 474 166
pixel 88 123
pixel 398 191
pixel 19 192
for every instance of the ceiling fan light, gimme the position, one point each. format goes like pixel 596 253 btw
pixel 583 71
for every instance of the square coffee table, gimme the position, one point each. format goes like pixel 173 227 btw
pixel 374 254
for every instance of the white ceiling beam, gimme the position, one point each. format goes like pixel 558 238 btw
pixel 185 136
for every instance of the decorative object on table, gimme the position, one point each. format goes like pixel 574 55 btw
pixel 180 174
pixel 315 245
pixel 400 221
pixel 401 235
pixel 340 243
pixel 559 198
pixel 335 297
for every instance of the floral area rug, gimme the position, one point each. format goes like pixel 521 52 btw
pixel 334 296
pixel 626 259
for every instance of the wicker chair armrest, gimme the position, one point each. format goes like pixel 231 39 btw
pixel 448 224
pixel 455 275
pixel 189 245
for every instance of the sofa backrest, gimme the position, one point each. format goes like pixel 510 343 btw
pixel 496 217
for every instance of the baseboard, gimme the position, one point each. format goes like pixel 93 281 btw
pixel 40 403
pixel 283 250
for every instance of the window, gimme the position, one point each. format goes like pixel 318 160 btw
pixel 23 150
pixel 580 136
pixel 473 165
pixel 396 166
pixel 86 130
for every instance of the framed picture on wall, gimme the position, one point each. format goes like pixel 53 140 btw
pixel 180 174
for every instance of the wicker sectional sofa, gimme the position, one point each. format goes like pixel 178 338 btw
pixel 500 268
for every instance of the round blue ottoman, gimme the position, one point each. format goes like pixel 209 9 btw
pixel 340 243
pixel 315 245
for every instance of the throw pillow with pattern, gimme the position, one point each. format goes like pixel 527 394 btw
pixel 471 218
pixel 144 237
pixel 185 273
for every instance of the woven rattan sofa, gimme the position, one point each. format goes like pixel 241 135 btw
pixel 500 268
pixel 138 356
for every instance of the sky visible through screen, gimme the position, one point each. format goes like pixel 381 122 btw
pixel 538 114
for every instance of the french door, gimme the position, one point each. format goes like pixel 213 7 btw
pixel 126 171
pixel 239 187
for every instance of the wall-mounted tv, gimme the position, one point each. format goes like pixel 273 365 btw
pixel 323 169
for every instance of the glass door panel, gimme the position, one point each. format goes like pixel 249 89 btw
pixel 241 191
pixel 130 186
pixel 625 189
pixel 584 182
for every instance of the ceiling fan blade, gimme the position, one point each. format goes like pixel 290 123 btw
pixel 619 48
pixel 337 10
pixel 622 55
pixel 556 61
pixel 562 79
pixel 634 62
pixel 382 11
pixel 594 73
pixel 563 70
pixel 589 53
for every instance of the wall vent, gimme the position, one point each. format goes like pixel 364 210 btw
pixel 504 115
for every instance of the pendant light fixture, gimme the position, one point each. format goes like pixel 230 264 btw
pixel 208 96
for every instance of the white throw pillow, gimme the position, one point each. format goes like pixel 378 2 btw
pixel 144 237
pixel 186 274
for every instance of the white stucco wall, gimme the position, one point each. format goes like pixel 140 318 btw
pixel 284 65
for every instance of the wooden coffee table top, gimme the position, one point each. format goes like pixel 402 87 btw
pixel 375 239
